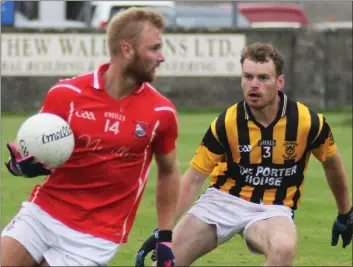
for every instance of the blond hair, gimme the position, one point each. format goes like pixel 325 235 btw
pixel 128 24
pixel 260 52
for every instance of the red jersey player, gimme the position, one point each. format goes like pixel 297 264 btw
pixel 85 208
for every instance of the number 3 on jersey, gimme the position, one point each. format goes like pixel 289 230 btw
pixel 267 153
pixel 111 126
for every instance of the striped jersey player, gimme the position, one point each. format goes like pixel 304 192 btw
pixel 257 152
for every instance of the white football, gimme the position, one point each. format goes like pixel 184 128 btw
pixel 48 138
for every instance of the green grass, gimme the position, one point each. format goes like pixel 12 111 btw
pixel 313 219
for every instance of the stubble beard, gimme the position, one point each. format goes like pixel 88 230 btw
pixel 269 104
pixel 263 105
pixel 137 72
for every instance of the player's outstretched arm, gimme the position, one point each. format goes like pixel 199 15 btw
pixel 337 179
pixel 190 186
pixel 167 193
pixel 338 182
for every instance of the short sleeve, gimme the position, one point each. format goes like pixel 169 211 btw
pixel 209 153
pixel 58 101
pixel 324 145
pixel 167 131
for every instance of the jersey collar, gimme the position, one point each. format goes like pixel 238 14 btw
pixel 281 112
pixel 97 82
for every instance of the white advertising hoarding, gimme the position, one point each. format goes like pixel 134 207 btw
pixel 41 54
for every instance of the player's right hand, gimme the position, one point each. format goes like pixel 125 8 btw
pixel 164 253
pixel 26 167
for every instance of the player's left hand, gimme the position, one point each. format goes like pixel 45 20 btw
pixel 164 253
pixel 147 246
pixel 343 225
pixel 160 242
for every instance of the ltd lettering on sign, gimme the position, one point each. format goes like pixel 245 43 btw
pixel 63 54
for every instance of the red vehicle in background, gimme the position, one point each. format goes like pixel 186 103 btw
pixel 249 15
pixel 275 15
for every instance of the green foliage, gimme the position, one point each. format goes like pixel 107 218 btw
pixel 313 219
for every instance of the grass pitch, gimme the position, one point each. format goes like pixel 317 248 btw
pixel 313 218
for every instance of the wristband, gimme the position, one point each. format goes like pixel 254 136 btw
pixel 165 236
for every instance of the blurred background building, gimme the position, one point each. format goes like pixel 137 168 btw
pixel 318 11
pixel 43 41
pixel 181 13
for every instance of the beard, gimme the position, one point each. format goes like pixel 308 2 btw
pixel 137 71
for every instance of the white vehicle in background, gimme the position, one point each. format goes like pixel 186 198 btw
pixel 103 11
pixel 332 25
pixel 22 21
pixel 44 15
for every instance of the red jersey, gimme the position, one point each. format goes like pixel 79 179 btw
pixel 98 190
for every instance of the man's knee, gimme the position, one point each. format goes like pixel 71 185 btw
pixel 282 250
pixel 285 247
pixel 192 239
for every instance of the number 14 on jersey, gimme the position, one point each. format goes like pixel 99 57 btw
pixel 111 126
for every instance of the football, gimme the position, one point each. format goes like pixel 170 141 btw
pixel 47 137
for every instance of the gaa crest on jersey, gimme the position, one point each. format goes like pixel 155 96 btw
pixel 289 150
pixel 244 148
pixel 140 129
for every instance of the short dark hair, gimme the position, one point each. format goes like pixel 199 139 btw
pixel 260 52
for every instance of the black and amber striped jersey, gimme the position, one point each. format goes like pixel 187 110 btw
pixel 264 164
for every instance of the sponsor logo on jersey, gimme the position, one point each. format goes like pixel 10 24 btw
pixel 117 116
pixel 97 149
pixel 272 176
pixel 88 115
pixel 267 143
